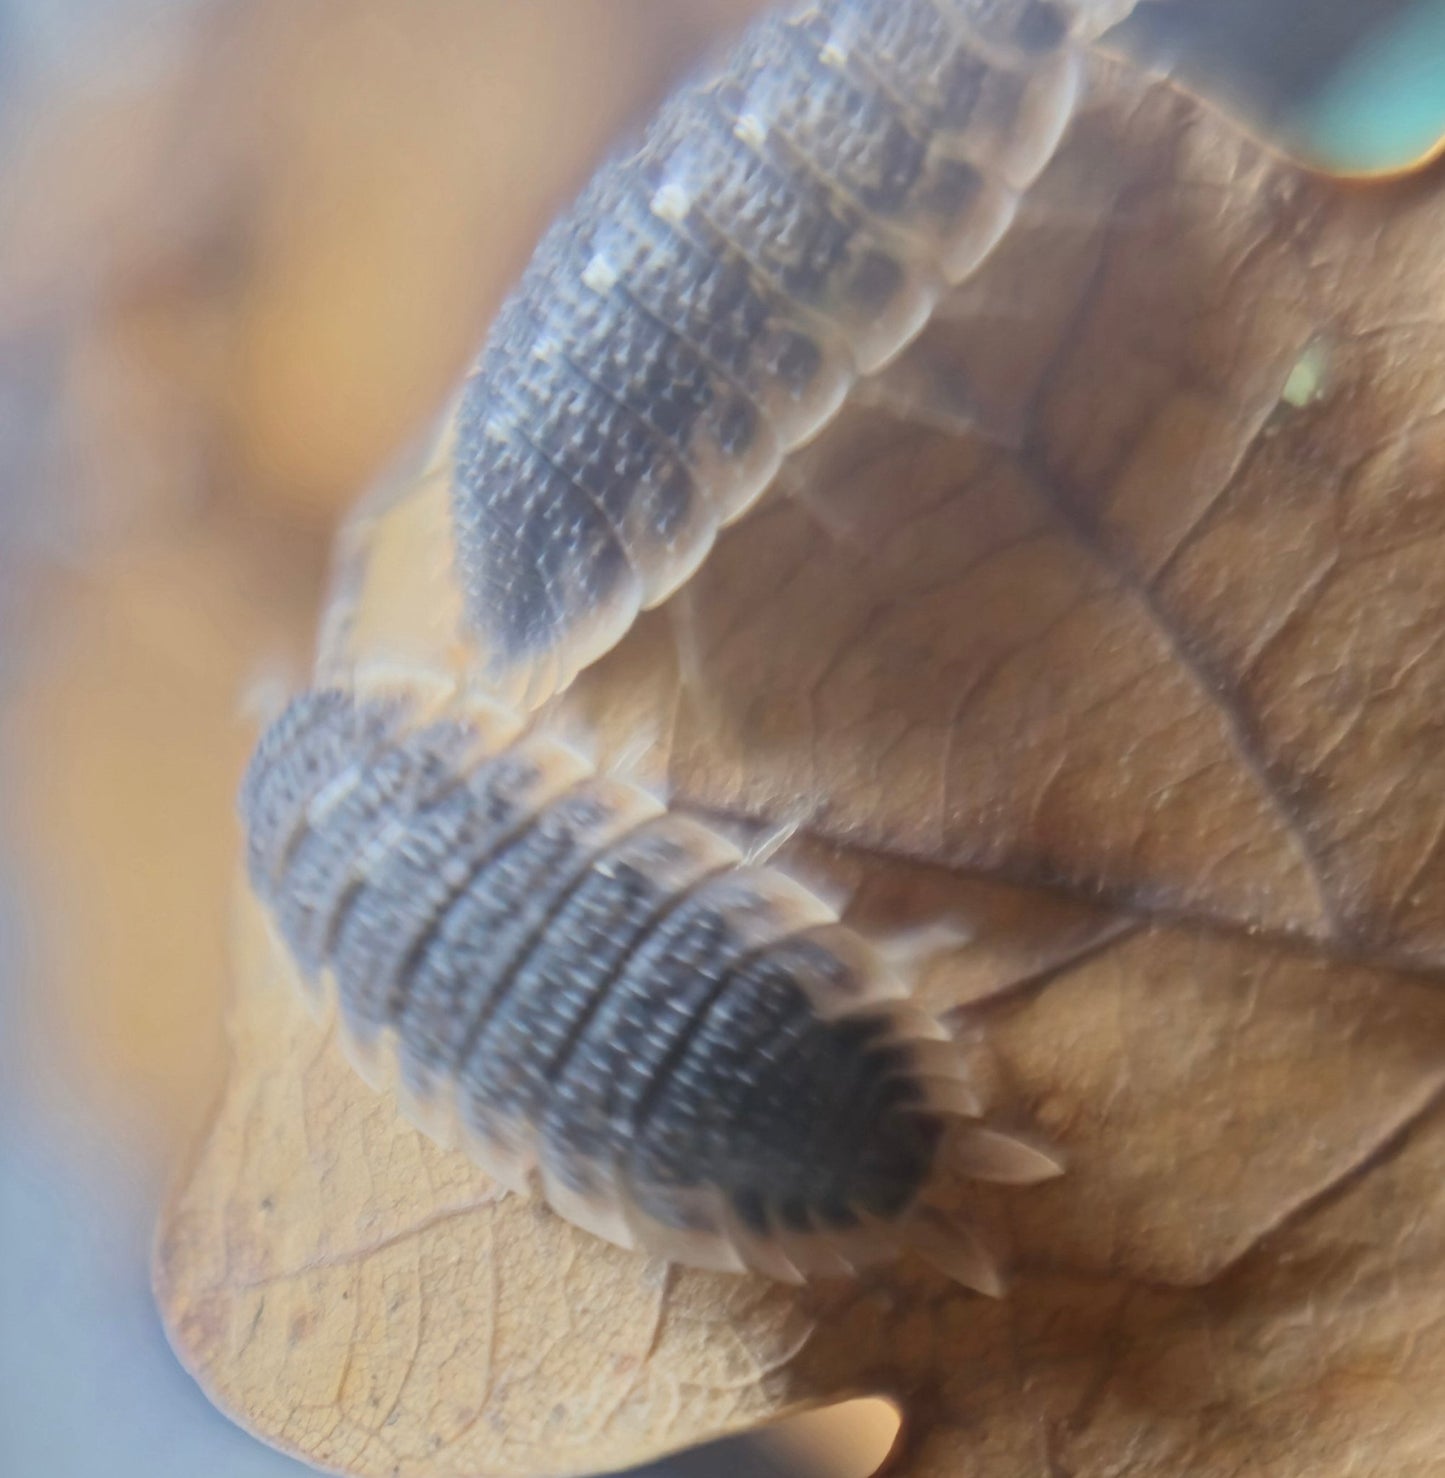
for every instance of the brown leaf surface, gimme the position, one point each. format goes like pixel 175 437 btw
pixel 1152 709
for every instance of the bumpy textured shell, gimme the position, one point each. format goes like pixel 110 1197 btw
pixel 690 1053
pixel 784 227
pixel 604 1002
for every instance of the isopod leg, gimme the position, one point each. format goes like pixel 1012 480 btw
pixel 506 1160
pixel 984 1153
pixel 370 1053
pixel 761 1250
pixel 597 1210
pixel 821 1251
pixel 430 1108
pixel 958 1252
pixel 424 471
pixel 694 1236
pixel 952 1097
pixel 920 392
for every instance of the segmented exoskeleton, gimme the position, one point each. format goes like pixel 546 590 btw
pixel 684 1051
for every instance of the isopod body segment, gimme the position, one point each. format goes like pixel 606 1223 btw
pixel 785 226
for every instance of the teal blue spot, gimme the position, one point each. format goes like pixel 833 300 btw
pixel 1384 108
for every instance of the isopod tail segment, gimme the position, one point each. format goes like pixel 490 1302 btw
pixel 703 1229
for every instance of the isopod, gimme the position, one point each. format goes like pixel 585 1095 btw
pixel 682 1048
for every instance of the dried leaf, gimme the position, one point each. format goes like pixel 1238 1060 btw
pixel 1150 711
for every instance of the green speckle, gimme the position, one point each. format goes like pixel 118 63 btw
pixel 1307 381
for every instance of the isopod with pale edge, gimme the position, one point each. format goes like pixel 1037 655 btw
pixel 683 1050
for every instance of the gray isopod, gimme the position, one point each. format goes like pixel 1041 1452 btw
pixel 684 1051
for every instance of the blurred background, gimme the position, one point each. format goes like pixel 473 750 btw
pixel 246 247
